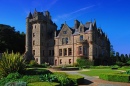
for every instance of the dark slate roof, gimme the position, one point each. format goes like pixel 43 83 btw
pixel 57 32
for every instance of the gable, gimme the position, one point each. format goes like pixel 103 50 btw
pixel 65 31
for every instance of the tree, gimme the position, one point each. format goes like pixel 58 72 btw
pixel 118 57
pixel 126 57
pixel 11 40
pixel 112 52
pixel 123 58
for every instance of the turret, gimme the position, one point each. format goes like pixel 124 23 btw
pixel 77 23
pixel 90 27
pixel 28 38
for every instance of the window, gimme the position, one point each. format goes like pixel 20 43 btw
pixel 52 52
pixel 81 37
pixel 80 29
pixel 33 52
pixel 33 42
pixel 60 52
pixel 64 32
pixel 43 52
pixel 69 61
pixel 69 51
pixel 65 52
pixel 63 40
pixel 60 61
pixel 80 50
pixel 66 40
pixel 49 52
pixel 33 34
pixel 85 50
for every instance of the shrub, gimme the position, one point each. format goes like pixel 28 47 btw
pixel 43 84
pixel 30 79
pixel 99 67
pixel 33 63
pixel 36 71
pixel 84 63
pixel 128 72
pixel 14 76
pixel 76 79
pixel 115 67
pixel 115 77
pixel 48 78
pixel 11 63
pixel 16 84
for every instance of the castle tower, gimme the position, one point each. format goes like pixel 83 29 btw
pixel 40 37
pixel 28 52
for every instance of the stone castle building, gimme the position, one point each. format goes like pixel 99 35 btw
pixel 45 43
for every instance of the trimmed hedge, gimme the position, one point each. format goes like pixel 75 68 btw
pixel 115 77
pixel 43 84
pixel 100 67
pixel 76 79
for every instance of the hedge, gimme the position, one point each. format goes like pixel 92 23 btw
pixel 115 77
pixel 76 79
pixel 43 84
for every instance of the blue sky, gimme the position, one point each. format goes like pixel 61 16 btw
pixel 113 16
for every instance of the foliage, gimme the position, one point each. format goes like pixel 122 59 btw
pixel 128 72
pixel 99 67
pixel 21 83
pixel 30 79
pixel 11 63
pixel 76 79
pixel 11 39
pixel 84 63
pixel 128 62
pixel 36 71
pixel 12 77
pixel 119 63
pixel 115 66
pixel 115 77
pixel 33 63
pixel 43 84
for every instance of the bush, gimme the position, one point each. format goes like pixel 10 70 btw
pixel 99 67
pixel 115 67
pixel 36 71
pixel 30 79
pixel 11 63
pixel 84 63
pixel 33 63
pixel 43 84
pixel 16 84
pixel 115 77
pixel 14 76
pixel 76 79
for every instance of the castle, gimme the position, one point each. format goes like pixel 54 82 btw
pixel 45 43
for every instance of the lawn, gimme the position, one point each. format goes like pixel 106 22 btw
pixel 97 72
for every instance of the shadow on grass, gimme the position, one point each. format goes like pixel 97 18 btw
pixel 86 82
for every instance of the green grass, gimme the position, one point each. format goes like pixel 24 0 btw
pixel 97 72
pixel 43 84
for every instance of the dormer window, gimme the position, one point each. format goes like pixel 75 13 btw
pixel 64 32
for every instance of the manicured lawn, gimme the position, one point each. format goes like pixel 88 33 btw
pixel 43 84
pixel 97 72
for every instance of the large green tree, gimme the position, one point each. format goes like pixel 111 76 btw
pixel 11 40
